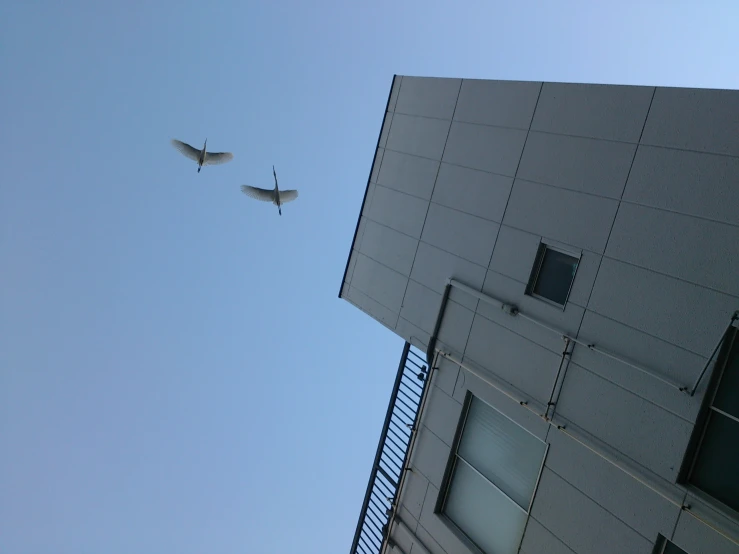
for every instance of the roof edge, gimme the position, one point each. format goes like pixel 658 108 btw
pixel 366 189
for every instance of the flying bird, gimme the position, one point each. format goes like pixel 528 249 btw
pixel 202 156
pixel 271 195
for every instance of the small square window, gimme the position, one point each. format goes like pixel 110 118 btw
pixel 553 275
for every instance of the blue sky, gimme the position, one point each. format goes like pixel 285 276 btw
pixel 177 374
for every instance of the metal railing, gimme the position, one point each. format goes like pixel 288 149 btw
pixel 392 452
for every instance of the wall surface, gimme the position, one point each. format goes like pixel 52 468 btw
pixel 583 503
pixel 641 182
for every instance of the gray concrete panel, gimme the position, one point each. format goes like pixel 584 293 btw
pixel 703 120
pixel 703 185
pixel 472 191
pixel 662 358
pixel 428 96
pixel 694 536
pixel 467 236
pixel 493 149
pixel 442 415
pixel 696 250
pixel 599 111
pixel 410 174
pixel 539 540
pixel 433 267
pixel 646 433
pixel 420 136
pixel 379 282
pixel 617 492
pixel 501 103
pixel 399 211
pixel 577 219
pixel 581 164
pixel 675 311
pixel 514 359
pixel 388 247
pixel 585 527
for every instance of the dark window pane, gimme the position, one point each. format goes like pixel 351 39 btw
pixel 715 470
pixel 555 277
pixel 487 516
pixel 672 549
pixel 508 455
pixel 727 397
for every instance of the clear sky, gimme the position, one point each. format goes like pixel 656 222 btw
pixel 177 374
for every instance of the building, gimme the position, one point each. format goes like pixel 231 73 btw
pixel 563 263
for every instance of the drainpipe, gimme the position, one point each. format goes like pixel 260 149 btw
pixel 439 316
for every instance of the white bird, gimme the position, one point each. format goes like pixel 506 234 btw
pixel 271 195
pixel 202 156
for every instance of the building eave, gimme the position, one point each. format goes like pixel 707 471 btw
pixel 366 189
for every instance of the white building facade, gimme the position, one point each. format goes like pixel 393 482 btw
pixel 565 257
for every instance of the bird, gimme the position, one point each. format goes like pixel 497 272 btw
pixel 271 195
pixel 202 156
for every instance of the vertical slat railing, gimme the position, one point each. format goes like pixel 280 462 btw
pixel 392 452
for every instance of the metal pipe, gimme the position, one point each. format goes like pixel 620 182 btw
pixel 607 354
pixel 439 316
pixel 667 381
pixel 563 429
pixel 723 337
pixel 549 421
pixel 514 311
pixel 476 293
pixel 565 354
pixel 499 388
pixel 545 326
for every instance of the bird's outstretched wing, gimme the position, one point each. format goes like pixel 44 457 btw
pixel 214 158
pixel 288 196
pixel 265 195
pixel 186 149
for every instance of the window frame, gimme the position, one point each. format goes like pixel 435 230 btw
pixel 536 272
pixel 662 543
pixel 451 465
pixel 693 451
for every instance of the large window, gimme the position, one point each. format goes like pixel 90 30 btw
pixel 491 479
pixel 715 466
pixel 552 275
